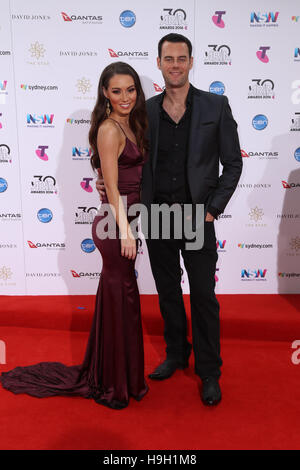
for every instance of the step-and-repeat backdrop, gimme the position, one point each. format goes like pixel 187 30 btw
pixel 51 57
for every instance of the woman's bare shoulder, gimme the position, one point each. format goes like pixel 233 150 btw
pixel 109 130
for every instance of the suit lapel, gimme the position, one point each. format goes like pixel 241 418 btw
pixel 196 117
pixel 154 130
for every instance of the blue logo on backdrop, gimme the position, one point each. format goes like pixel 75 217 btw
pixel 44 215
pixel 260 122
pixel 297 154
pixel 217 87
pixel 87 245
pixel 127 18
pixel 3 185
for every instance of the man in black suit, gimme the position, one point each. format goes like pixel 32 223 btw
pixel 190 132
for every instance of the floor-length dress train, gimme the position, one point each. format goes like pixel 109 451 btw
pixel 113 366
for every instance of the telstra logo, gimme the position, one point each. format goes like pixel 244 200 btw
pixel 261 54
pixel 217 19
pixel 40 152
pixel 85 184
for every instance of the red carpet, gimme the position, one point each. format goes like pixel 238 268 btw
pixel 260 407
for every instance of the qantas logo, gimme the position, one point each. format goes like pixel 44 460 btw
pixel 290 185
pixel 157 88
pixel 244 154
pixel 135 54
pixel 65 16
pixel 112 53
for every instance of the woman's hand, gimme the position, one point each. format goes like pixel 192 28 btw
pixel 100 184
pixel 128 246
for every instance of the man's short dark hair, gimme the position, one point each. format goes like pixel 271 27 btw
pixel 174 37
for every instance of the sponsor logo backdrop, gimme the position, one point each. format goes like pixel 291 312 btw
pixel 51 57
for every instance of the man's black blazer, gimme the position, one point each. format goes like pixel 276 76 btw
pixel 213 138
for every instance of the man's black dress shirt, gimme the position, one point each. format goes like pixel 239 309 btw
pixel 171 182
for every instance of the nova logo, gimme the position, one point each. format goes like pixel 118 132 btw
pixel 253 274
pixel 3 85
pixel 43 119
pixel 264 19
pixel 81 152
pixel 85 184
pixel 157 88
pixel 221 244
pixel 261 54
pixel 40 152
pixel 217 19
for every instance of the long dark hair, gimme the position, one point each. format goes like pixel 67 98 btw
pixel 137 120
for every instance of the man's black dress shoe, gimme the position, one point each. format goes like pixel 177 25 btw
pixel 211 392
pixel 167 368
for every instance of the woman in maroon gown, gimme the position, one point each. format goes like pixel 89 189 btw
pixel 113 365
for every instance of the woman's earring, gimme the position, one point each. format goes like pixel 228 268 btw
pixel 107 108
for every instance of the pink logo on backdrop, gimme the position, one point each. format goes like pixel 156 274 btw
pixel 85 184
pixel 0 122
pixel 40 152
pixel 217 19
pixel 261 54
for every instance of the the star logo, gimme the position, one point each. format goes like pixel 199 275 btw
pixel 256 214
pixel 83 85
pixel 37 50
pixel 295 244
pixel 5 273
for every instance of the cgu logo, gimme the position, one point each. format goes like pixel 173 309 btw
pixel 264 17
pixel 290 185
pixel 3 85
pixel 40 118
pixel 221 244
pixel 256 273
pixel 79 152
